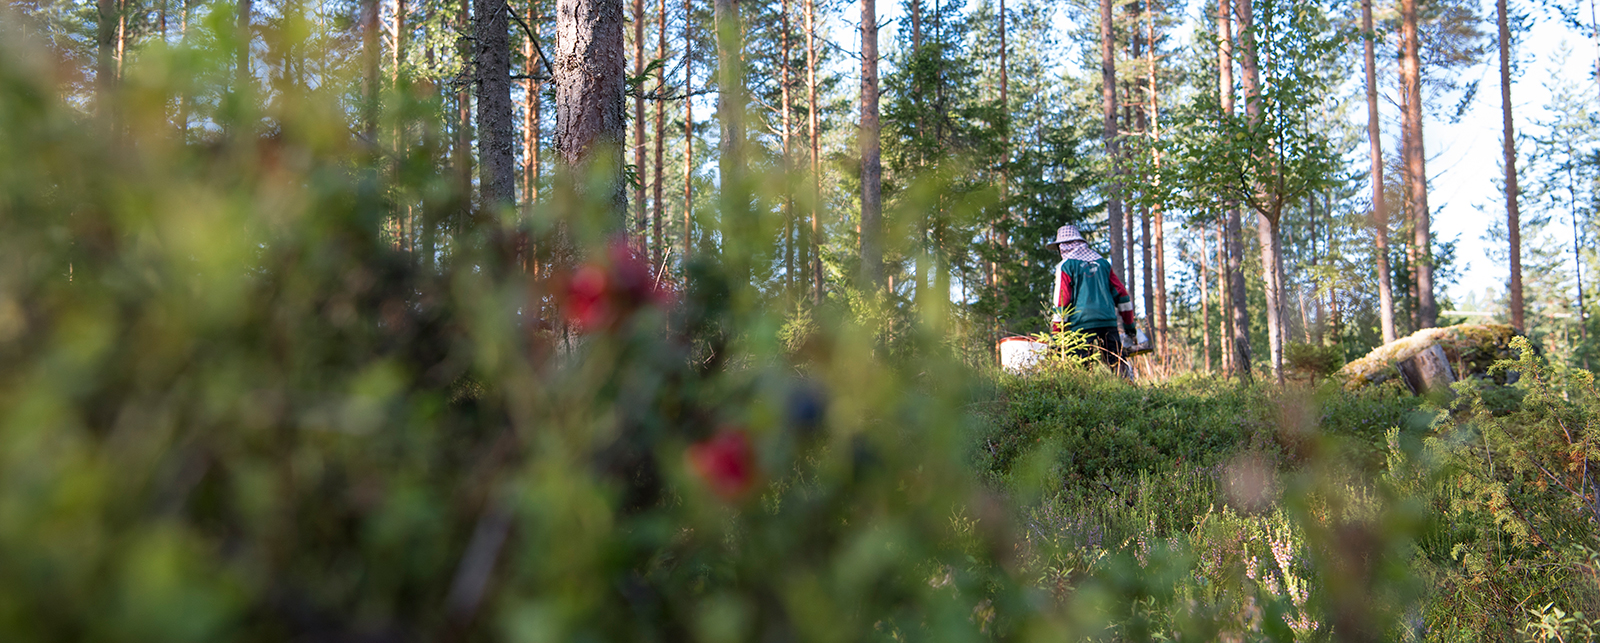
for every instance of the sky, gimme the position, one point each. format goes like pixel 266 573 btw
pixel 1464 157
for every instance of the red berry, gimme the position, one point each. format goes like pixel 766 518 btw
pixel 725 462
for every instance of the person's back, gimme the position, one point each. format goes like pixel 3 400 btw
pixel 1088 297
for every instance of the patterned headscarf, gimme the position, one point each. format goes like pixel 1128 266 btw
pixel 1079 250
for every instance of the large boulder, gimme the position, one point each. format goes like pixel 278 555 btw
pixel 1432 358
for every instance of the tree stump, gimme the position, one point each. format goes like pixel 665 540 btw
pixel 1427 372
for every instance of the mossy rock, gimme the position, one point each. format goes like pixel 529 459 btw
pixel 1471 349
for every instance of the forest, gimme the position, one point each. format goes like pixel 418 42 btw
pixel 583 320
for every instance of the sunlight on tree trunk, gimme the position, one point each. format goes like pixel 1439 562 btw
pixel 1415 160
pixel 1380 212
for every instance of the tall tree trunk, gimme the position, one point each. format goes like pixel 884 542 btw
pixel 1159 220
pixel 183 98
pixel 816 160
pixel 1409 296
pixel 404 213
pixel 1380 211
pixel 657 234
pixel 244 79
pixel 688 134
pixel 122 35
pixel 532 124
pixel 738 224
pixel 1239 313
pixel 590 107
pixel 789 227
pixel 105 75
pixel 1417 179
pixel 463 143
pixel 1267 218
pixel 370 57
pixel 1141 112
pixel 640 222
pixel 496 132
pixel 1205 300
pixel 871 163
pixel 1108 98
pixel 1224 296
pixel 1513 222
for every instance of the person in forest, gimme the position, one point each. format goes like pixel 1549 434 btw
pixel 1089 297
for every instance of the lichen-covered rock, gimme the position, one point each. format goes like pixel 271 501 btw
pixel 1471 349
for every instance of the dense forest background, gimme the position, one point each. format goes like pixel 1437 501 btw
pixel 990 131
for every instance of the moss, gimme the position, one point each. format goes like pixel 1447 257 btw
pixel 1471 349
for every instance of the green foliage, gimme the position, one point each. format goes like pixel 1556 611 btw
pixel 1313 360
pixel 1509 477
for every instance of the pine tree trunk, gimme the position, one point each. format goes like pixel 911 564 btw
pixel 122 35
pixel 105 75
pixel 789 228
pixel 532 124
pixel 1240 314
pixel 688 134
pixel 1141 112
pixel 183 98
pixel 1417 179
pixel 245 15
pixel 816 159
pixel 657 234
pixel 1513 222
pixel 639 201
pixel 590 106
pixel 871 163
pixel 463 144
pixel 496 131
pixel 370 57
pixel 1205 300
pixel 1108 97
pixel 1380 211
pixel 1159 222
pixel 1224 298
pixel 404 213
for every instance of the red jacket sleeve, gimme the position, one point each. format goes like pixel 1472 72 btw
pixel 1124 302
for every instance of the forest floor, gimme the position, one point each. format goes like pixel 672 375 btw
pixel 1251 497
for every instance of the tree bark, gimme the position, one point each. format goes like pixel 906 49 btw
pixel 1266 217
pixel 790 230
pixel 463 144
pixel 1513 222
pixel 816 160
pixel 739 228
pixel 590 106
pixel 1224 299
pixel 1108 98
pixel 871 162
pixel 532 124
pixel 640 222
pixel 1417 176
pixel 1159 221
pixel 657 234
pixel 688 134
pixel 1240 314
pixel 370 57
pixel 1380 211
pixel 1205 300
pixel 105 75
pixel 496 132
